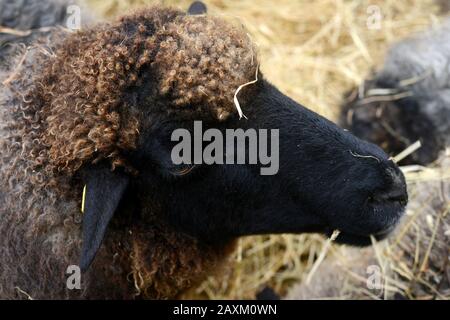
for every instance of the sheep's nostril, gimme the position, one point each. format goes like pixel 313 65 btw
pixel 396 188
pixel 398 195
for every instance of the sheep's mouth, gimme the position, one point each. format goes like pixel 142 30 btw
pixel 362 240
pixel 361 237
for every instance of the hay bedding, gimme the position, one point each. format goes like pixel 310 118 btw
pixel 314 51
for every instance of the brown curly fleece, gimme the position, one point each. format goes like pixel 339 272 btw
pixel 65 108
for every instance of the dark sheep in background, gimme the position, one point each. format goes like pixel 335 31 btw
pixel 408 99
pixel 97 107
pixel 25 21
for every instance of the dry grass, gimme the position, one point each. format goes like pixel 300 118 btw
pixel 314 51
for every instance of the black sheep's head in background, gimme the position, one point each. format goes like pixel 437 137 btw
pixel 327 179
pixel 391 121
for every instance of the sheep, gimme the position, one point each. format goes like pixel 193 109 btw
pixel 23 22
pixel 87 178
pixel 414 264
pixel 408 99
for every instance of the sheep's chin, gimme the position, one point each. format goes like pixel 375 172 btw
pixel 357 240
pixel 360 233
pixel 360 240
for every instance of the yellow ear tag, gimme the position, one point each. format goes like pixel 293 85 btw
pixel 83 198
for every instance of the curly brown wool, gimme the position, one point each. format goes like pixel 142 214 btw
pixel 66 107
pixel 196 61
pixel 203 61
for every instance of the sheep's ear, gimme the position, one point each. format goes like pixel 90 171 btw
pixel 102 195
pixel 197 7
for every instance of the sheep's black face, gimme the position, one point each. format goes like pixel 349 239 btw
pixel 327 179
